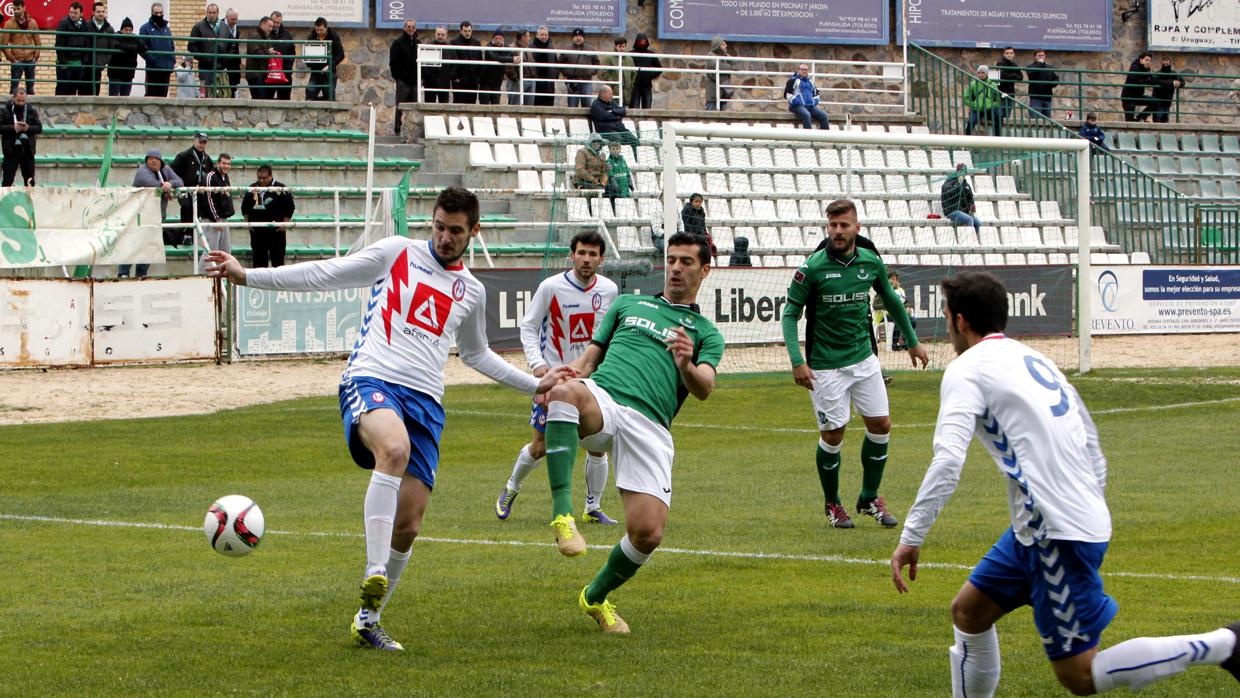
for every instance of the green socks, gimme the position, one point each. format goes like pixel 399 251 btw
pixel 622 564
pixel 561 436
pixel 828 458
pixel 873 461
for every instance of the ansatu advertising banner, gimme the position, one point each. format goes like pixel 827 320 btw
pixel 1165 300
pixel 61 226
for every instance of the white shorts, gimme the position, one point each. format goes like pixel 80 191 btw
pixel 861 384
pixel 642 450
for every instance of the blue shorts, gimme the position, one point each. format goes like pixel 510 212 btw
pixel 422 414
pixel 1059 580
pixel 538 418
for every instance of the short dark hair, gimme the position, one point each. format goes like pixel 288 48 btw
pixel 1008 48
pixel 467 23
pixel 19 3
pixel 840 207
pixel 265 168
pixel 1091 116
pixel 1145 54
pixel 458 200
pixel 223 156
pixel 980 298
pixel 320 22
pixel 589 237
pixel 689 239
pixel 75 6
pixel 99 4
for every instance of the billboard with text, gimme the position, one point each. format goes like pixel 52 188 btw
pixel 1165 300
pixel 1198 25
pixel 560 15
pixel 1074 25
pixel 785 21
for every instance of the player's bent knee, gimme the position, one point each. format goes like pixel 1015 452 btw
pixel 878 425
pixel 834 437
pixel 968 618
pixel 537 449
pixel 391 457
pixel 566 392
pixel 645 539
pixel 1077 684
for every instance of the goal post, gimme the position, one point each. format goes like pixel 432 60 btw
pixel 1005 154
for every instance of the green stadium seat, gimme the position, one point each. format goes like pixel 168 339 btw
pixel 1189 143
pixel 1189 165
pixel 1210 189
pixel 1168 143
pixel 1231 188
pixel 1230 167
pixel 1125 140
pixel 1231 144
pixel 1148 141
pixel 1210 166
pixel 1210 144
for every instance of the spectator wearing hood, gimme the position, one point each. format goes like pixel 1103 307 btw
pixel 73 42
pixel 1135 84
pixel 544 77
pixel 740 253
pixel 19 129
pixel 803 100
pixel 1166 82
pixel 321 83
pixel 437 77
pixel 24 44
pixel 127 46
pixel 577 87
pixel 590 165
pixel 157 175
pixel 160 52
pixel 956 196
pixel 639 84
pixel 619 176
pixel 1092 132
pixel 985 102
pixel 491 77
pixel 466 76
pixel 715 78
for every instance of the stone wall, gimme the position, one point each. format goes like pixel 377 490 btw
pixel 211 113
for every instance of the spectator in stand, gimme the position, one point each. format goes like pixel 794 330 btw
pixel 649 68
pixel 19 129
pixel 544 76
pixel 957 198
pixel 693 220
pixel 160 52
pixel 716 79
pixel 612 77
pixel 1166 82
pixel 577 88
pixel 216 208
pixel 803 99
pixel 230 63
pixel 193 165
pixel 268 241
pixel 590 165
pixel 619 176
pixel 187 79
pixel 101 45
pixel 985 102
pixel 1133 95
pixel 740 252
pixel 279 33
pixel 1042 80
pixel 607 117
pixel 321 81
pixel 512 71
pixel 203 45
pixel 124 63
pixel 72 57
pixel 1092 132
pixel 403 62
pixel 491 77
pixel 1233 95
pixel 155 174
pixel 259 53
pixel 23 46
pixel 1010 76
pixel 465 76
pixel 437 77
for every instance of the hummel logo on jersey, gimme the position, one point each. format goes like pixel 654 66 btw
pixel 430 309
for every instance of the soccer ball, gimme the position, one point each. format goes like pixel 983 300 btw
pixel 234 525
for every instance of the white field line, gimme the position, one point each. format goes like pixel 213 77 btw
pixel 835 559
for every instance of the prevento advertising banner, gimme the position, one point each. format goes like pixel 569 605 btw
pixel 558 15
pixel 1165 300
pixel 1195 25
pixel 297 322
pixel 784 21
pixel 1077 25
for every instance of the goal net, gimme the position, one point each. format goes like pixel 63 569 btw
pixel 764 194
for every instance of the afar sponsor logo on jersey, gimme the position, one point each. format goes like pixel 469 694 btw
pixel 580 327
pixel 429 310
pixel 596 301
pixel 458 289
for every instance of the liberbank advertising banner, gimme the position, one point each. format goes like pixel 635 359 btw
pixel 559 15
pixel 784 21
pixel 1165 300
pixel 1196 25
pixel 1077 25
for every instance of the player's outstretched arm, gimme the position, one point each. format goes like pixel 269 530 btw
pixel 359 269
pixel 904 556
pixel 222 265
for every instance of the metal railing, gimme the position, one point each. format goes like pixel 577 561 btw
pixel 1137 211
pixel 85 68
pixel 738 81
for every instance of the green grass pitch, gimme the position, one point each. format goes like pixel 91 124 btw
pixel 753 594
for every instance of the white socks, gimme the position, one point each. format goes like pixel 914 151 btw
pixel 522 468
pixel 975 664
pixel 1144 660
pixel 379 512
pixel 596 480
pixel 632 553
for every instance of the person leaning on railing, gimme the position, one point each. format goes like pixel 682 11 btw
pixel 124 61
pixel 259 53
pixel 544 85
pixel 19 129
pixel 160 52
pixel 72 56
pixel 279 33
pixel 578 87
pixel 157 175
pixel 230 63
pixel 465 76
pixel 23 46
pixel 1132 96
pixel 437 77
pixel 203 46
pixel 513 86
pixel 984 100
pixel 649 68
pixel 712 81
pixel 491 77
pixel 321 83
pixel 611 64
pixel 1166 82
pixel 403 63
pixel 101 45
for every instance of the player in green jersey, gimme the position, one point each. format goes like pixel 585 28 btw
pixel 647 355
pixel 842 367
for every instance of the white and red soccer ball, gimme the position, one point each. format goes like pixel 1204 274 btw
pixel 234 525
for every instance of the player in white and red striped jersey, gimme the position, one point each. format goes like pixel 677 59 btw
pixel 422 300
pixel 556 328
